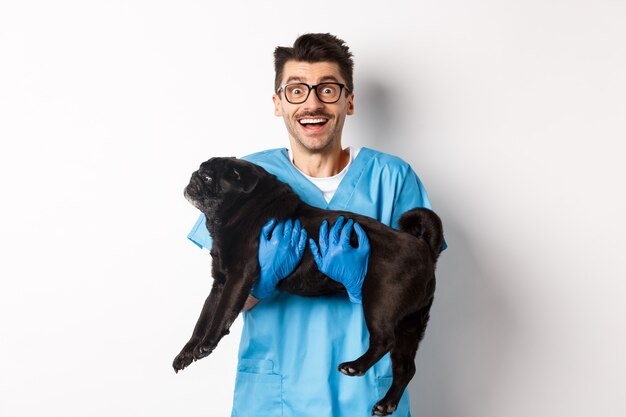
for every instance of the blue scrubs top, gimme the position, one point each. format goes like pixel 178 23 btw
pixel 290 345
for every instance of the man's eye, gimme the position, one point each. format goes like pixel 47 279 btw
pixel 296 91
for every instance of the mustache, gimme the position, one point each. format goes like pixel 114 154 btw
pixel 313 115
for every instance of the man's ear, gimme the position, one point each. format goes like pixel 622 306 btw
pixel 350 104
pixel 278 111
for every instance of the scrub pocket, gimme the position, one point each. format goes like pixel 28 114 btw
pixel 258 390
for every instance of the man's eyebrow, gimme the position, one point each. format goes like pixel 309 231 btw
pixel 299 79
pixel 293 78
pixel 329 78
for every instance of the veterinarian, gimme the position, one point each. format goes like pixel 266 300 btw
pixel 290 345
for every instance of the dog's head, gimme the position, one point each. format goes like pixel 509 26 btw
pixel 219 179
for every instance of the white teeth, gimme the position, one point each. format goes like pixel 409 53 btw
pixel 307 121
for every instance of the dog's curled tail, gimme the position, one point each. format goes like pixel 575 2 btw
pixel 424 224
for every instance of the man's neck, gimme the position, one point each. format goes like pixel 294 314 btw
pixel 320 164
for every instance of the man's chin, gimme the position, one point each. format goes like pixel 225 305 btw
pixel 315 144
pixel 311 142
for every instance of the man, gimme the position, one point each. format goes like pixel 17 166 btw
pixel 290 345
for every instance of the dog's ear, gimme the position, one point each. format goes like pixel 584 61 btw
pixel 247 178
pixel 240 178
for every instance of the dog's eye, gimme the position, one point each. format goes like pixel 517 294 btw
pixel 208 179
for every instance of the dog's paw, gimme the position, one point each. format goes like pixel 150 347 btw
pixel 350 369
pixel 383 408
pixel 183 360
pixel 185 357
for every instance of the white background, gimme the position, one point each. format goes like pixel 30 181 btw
pixel 511 112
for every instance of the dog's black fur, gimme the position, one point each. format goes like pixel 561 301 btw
pixel 238 198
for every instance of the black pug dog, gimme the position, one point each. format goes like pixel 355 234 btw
pixel 239 197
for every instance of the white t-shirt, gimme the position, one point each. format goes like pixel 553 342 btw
pixel 328 185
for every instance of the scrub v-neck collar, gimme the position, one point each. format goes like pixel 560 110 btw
pixel 313 195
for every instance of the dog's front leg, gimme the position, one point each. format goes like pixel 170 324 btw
pixel 236 290
pixel 186 356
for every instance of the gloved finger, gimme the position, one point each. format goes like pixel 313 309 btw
pixel 302 242
pixel 316 254
pixel 346 231
pixel 336 229
pixel 267 229
pixel 295 233
pixel 277 234
pixel 364 242
pixel 287 229
pixel 323 239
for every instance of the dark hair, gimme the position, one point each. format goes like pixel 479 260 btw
pixel 315 47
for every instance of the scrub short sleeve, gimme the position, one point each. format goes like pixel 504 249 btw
pixel 411 194
pixel 200 235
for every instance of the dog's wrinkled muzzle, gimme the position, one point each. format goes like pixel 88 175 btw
pixel 195 187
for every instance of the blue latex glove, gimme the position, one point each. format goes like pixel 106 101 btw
pixel 339 260
pixel 278 255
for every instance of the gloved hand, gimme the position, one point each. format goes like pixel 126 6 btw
pixel 339 260
pixel 278 255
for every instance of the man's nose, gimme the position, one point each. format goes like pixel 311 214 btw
pixel 312 101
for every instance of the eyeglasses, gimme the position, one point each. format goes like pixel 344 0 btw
pixel 298 93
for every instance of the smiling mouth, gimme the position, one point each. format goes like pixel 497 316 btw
pixel 313 123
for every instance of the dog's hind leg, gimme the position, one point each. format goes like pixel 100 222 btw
pixel 185 357
pixel 380 326
pixel 408 334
